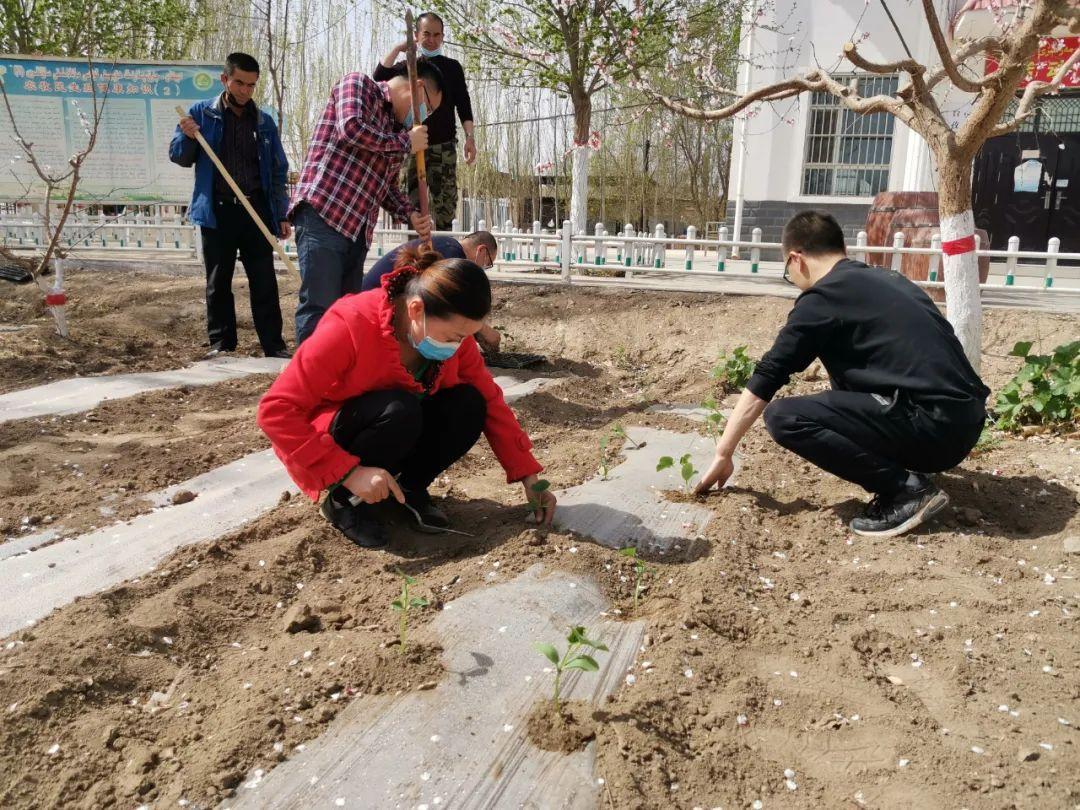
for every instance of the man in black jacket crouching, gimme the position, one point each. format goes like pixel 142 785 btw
pixel 905 400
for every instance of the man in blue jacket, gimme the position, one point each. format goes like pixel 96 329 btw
pixel 247 142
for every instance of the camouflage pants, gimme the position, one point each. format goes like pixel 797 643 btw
pixel 440 161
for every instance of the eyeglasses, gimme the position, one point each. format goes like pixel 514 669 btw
pixel 786 277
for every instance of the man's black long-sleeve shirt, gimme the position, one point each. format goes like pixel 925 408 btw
pixel 441 125
pixel 876 332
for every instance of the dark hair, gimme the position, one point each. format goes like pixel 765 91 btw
pixel 814 233
pixel 430 15
pixel 446 286
pixel 425 69
pixel 484 239
pixel 241 61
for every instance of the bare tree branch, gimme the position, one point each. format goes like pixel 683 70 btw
pixel 860 61
pixel 963 53
pixel 1034 91
pixel 947 63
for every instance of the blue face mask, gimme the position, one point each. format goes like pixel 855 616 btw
pixel 409 117
pixel 425 52
pixel 437 350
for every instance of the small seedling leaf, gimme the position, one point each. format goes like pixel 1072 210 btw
pixel 583 662
pixel 548 651
pixel 685 459
pixel 397 605
pixel 596 645
pixel 576 635
pixel 1021 349
pixel 629 551
pixel 664 463
pixel 541 486
pixel 418 601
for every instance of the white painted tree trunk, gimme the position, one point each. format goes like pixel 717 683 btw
pixel 963 305
pixel 579 188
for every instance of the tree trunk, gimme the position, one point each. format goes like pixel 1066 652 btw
pixel 579 171
pixel 963 304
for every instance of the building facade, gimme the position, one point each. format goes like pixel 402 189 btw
pixel 811 152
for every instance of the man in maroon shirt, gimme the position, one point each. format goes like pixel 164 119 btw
pixel 365 133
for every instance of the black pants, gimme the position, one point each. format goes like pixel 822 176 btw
pixel 873 441
pixel 416 438
pixel 236 233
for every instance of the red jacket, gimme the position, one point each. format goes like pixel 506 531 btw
pixel 354 351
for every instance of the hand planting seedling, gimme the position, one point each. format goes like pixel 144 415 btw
pixel 537 490
pixel 640 570
pixel 403 604
pixel 686 468
pixel 577 656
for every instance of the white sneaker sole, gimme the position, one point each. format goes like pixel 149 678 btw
pixel 932 507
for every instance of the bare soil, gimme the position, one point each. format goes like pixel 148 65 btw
pixel 566 730
pixel 935 670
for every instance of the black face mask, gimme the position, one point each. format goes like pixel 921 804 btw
pixel 231 99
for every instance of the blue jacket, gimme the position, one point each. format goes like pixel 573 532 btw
pixel 273 165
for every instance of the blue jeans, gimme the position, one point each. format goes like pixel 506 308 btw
pixel 330 266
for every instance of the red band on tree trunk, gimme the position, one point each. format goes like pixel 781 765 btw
pixel 965 244
pixel 55 299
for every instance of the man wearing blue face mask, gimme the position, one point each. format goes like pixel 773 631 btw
pixel 441 155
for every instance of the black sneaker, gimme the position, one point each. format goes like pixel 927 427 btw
pixel 429 518
pixel 281 354
pixel 889 516
pixel 358 523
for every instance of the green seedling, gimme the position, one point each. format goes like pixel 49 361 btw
pixel 640 570
pixel 715 421
pixel 686 468
pixel 620 431
pixel 604 467
pixel 536 492
pixel 987 441
pixel 403 604
pixel 577 656
pixel 735 370
pixel 1045 393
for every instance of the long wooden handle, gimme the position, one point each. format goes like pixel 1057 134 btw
pixel 274 243
pixel 421 168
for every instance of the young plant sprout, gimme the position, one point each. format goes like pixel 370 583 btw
pixel 620 431
pixel 735 370
pixel 686 468
pixel 640 570
pixel 538 489
pixel 604 467
pixel 577 656
pixel 403 603
pixel 714 419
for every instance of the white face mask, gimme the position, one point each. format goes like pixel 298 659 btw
pixel 425 52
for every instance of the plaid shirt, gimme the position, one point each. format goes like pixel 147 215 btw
pixel 352 164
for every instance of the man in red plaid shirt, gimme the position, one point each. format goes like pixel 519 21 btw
pixel 351 169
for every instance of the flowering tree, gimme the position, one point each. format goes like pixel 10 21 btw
pixel 573 47
pixel 1021 25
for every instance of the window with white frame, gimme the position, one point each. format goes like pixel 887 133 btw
pixel 848 154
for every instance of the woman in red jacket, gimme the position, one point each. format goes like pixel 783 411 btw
pixel 388 392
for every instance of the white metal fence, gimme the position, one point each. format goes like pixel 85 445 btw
pixel 562 255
